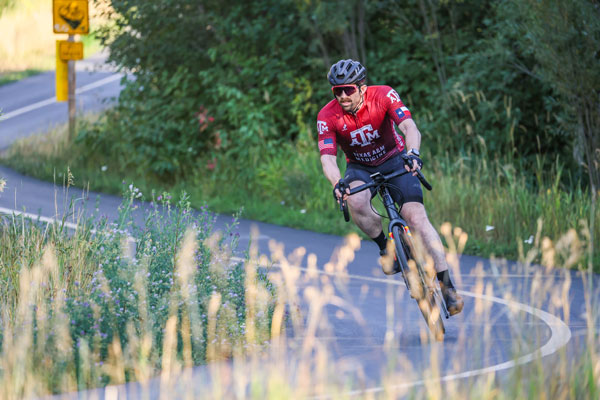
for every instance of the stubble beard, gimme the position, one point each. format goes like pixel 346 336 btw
pixel 346 106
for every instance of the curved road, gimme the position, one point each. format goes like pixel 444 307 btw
pixel 502 313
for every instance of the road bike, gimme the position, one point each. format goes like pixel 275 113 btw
pixel 422 286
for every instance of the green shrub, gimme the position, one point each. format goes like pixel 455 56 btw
pixel 93 300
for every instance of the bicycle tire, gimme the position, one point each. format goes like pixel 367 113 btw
pixel 417 286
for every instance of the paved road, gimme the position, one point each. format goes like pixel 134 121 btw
pixel 29 106
pixel 476 342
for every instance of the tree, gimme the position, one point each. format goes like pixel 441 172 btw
pixel 564 37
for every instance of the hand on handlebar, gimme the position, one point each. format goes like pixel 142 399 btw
pixel 412 163
pixel 340 187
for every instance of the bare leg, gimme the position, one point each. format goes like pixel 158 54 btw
pixel 414 213
pixel 362 214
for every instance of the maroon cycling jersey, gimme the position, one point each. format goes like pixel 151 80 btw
pixel 368 137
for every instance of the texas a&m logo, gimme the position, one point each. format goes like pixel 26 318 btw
pixel 363 136
pixel 393 96
pixel 322 127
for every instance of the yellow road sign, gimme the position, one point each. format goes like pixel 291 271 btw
pixel 71 16
pixel 70 50
pixel 62 76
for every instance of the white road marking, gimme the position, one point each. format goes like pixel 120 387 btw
pixel 35 217
pixel 49 220
pixel 52 100
pixel 559 337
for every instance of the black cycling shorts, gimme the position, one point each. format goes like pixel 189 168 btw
pixel 406 188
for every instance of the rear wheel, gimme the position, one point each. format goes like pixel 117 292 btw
pixel 417 282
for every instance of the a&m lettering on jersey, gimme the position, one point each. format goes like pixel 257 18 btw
pixel 322 127
pixel 393 96
pixel 363 136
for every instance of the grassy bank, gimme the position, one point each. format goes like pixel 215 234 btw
pixel 504 210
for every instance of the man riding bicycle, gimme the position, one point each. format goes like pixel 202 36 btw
pixel 361 121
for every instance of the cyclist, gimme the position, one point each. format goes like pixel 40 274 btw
pixel 360 119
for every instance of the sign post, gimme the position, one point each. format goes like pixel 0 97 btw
pixel 70 17
pixel 62 76
pixel 72 86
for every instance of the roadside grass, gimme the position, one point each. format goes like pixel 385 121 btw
pixel 14 76
pixel 80 306
pixel 83 310
pixel 28 41
pixel 504 209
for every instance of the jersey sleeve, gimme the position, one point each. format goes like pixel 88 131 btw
pixel 394 106
pixel 326 139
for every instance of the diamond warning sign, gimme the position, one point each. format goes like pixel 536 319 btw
pixel 71 16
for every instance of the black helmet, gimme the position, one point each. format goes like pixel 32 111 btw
pixel 346 71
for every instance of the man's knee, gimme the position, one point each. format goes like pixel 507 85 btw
pixel 414 213
pixel 359 203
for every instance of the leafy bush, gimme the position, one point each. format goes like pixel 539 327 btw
pixel 258 70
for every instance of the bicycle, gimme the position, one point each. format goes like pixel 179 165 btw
pixel 424 289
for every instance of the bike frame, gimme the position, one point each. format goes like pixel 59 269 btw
pixel 396 220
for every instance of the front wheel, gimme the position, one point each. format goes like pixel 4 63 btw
pixel 416 280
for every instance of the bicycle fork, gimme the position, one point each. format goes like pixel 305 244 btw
pixel 396 220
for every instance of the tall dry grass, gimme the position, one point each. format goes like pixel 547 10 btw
pixel 28 40
pixel 27 37
pixel 289 354
pixel 83 309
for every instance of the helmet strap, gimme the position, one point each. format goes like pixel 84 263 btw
pixel 360 103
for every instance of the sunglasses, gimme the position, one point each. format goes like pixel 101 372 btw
pixel 349 90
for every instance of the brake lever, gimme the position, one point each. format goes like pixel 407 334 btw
pixel 344 209
pixel 344 203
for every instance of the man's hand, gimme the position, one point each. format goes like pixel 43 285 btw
pixel 339 188
pixel 412 163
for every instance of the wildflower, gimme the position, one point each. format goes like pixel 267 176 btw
pixel 211 164
pixel 529 241
pixel 303 211
pixel 103 168
pixel 489 228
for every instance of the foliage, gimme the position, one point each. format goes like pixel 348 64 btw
pixel 230 114
pixel 564 39
pixel 287 188
pixel 457 64
pixel 93 297
pixel 5 5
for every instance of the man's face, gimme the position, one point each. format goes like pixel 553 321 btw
pixel 348 96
